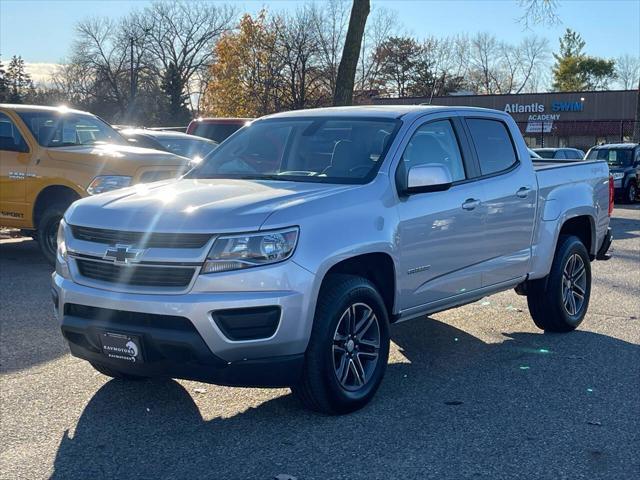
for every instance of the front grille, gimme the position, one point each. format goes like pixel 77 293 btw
pixel 141 239
pixel 138 275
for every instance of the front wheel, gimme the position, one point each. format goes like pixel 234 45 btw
pixel 47 231
pixel 558 303
pixel 348 349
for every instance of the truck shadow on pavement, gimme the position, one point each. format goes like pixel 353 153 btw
pixel 29 332
pixel 530 406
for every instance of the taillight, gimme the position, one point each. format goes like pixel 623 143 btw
pixel 612 191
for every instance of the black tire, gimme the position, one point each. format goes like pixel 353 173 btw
pixel 320 389
pixel 546 297
pixel 630 193
pixel 113 373
pixel 47 231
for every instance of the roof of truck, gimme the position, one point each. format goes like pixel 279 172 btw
pixel 617 146
pixel 18 107
pixel 377 111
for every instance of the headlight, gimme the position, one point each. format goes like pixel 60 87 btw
pixel 106 183
pixel 61 255
pixel 235 252
pixel 618 175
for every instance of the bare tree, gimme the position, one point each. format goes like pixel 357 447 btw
pixel 343 94
pixel 381 26
pixel 539 12
pixel 483 54
pixel 98 50
pixel 627 71
pixel 181 39
pixel 330 24
pixel 299 47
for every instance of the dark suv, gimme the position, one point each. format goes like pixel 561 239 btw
pixel 216 129
pixel 562 153
pixel 624 165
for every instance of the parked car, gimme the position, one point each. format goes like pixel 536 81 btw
pixel 189 146
pixel 50 157
pixel 560 153
pixel 170 129
pixel 534 156
pixel 624 164
pixel 282 259
pixel 216 129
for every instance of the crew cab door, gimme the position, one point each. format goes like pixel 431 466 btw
pixel 440 233
pixel 14 160
pixel 509 207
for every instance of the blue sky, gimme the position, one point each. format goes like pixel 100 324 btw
pixel 42 30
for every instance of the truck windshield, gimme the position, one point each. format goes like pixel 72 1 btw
pixel 62 129
pixel 614 157
pixel 327 149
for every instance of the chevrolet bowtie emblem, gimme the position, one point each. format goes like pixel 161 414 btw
pixel 123 254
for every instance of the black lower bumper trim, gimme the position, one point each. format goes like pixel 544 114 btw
pixel 604 248
pixel 178 354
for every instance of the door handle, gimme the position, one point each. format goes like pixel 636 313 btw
pixel 470 204
pixel 523 192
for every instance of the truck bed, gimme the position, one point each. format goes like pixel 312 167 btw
pixel 549 164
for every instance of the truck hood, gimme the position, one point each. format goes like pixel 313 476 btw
pixel 195 205
pixel 112 156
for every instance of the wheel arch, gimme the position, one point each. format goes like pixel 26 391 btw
pixel 50 195
pixel 583 227
pixel 377 267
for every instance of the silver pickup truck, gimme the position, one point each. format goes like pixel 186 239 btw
pixel 283 258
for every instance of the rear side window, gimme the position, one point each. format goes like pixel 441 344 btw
pixel 493 145
pixel 216 131
pixel 560 154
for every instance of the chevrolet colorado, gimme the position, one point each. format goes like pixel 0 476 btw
pixel 282 259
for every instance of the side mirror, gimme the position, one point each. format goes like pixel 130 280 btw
pixel 428 178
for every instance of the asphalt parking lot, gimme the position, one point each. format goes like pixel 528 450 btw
pixel 476 392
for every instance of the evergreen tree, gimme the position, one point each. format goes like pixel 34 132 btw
pixel 576 71
pixel 173 86
pixel 19 81
pixel 4 84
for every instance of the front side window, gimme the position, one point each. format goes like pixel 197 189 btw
pixel 10 138
pixel 493 145
pixel 560 155
pixel 62 129
pixel 323 149
pixel 434 143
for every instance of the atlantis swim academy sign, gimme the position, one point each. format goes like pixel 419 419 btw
pixel 538 121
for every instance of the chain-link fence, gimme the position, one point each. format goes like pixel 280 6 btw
pixel 582 134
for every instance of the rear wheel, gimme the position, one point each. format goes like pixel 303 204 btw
pixel 559 302
pixel 348 349
pixel 47 232
pixel 113 373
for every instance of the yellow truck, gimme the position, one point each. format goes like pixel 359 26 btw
pixel 52 156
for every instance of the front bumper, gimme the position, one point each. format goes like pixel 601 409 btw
pixel 212 355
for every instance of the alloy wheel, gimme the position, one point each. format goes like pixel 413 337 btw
pixel 356 346
pixel 574 284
